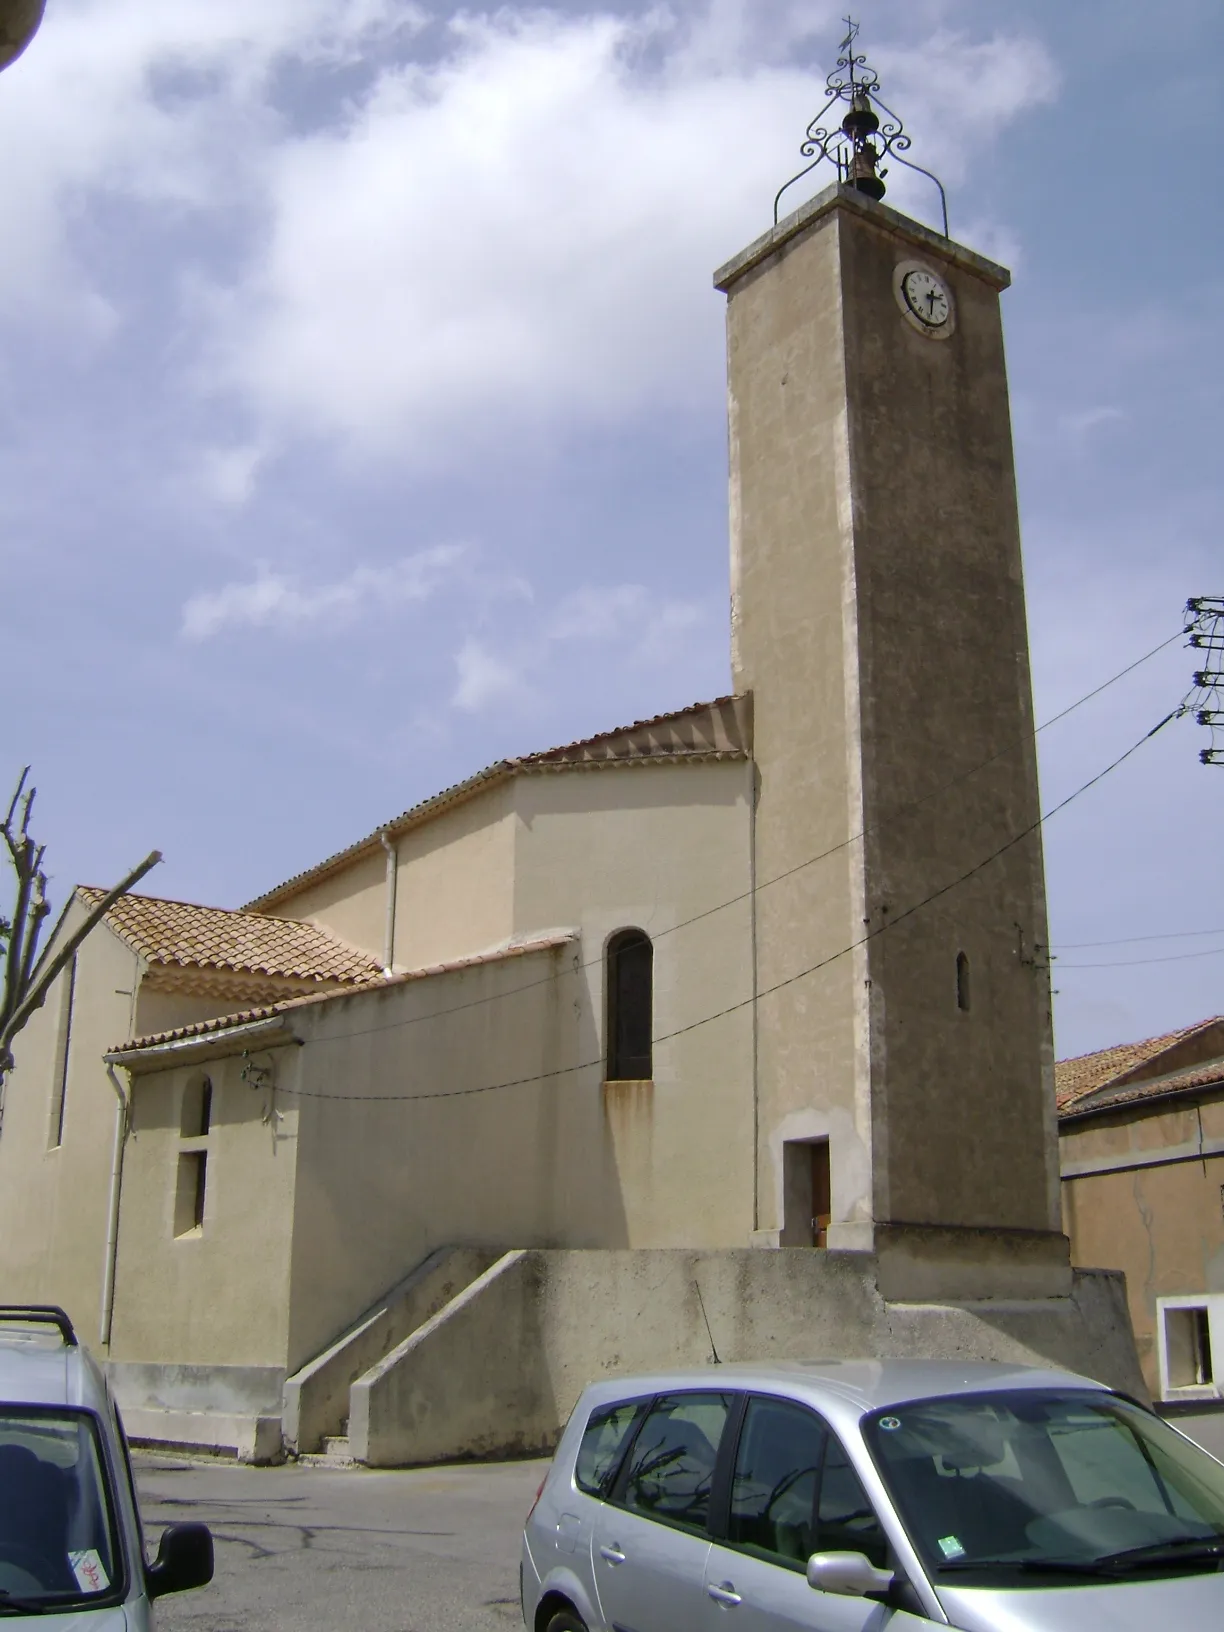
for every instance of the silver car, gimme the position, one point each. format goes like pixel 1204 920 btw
pixel 71 1549
pixel 850 1496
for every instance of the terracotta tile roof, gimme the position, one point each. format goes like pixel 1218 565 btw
pixel 1129 1072
pixel 180 934
pixel 269 1011
pixel 701 733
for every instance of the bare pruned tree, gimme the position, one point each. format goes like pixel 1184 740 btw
pixel 28 976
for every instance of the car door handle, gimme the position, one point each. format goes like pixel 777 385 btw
pixel 726 1594
pixel 613 1554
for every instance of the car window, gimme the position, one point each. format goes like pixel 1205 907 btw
pixel 777 1475
pixel 57 1531
pixel 845 1519
pixel 1014 1487
pixel 603 1440
pixel 671 1466
pixel 1104 1463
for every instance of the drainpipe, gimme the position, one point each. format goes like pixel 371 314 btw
pixel 389 931
pixel 112 1219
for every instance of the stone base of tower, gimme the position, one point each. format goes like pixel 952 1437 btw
pixel 498 1370
pixel 924 1263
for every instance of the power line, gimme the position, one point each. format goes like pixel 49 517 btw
pixel 1135 963
pixel 1133 940
pixel 811 861
pixel 768 991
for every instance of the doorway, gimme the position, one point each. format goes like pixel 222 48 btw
pixel 806 1193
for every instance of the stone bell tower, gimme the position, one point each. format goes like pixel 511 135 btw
pixel 878 620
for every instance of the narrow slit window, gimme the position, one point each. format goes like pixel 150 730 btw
pixel 189 1196
pixel 63 1048
pixel 963 995
pixel 630 1016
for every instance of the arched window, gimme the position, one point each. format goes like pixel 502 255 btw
pixel 630 988
pixel 196 1116
pixel 962 982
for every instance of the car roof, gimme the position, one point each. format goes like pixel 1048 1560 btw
pixel 845 1389
pixel 37 1367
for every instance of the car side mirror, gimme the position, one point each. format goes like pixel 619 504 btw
pixel 184 1560
pixel 851 1575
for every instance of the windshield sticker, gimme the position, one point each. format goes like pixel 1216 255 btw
pixel 950 1547
pixel 890 1424
pixel 87 1567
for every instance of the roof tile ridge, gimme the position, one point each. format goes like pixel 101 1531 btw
pixel 1164 1038
pixel 1166 1041
pixel 469 784
pixel 1173 1084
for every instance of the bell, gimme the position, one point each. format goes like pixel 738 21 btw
pixel 861 172
pixel 860 121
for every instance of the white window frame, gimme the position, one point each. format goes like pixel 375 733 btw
pixel 1213 1303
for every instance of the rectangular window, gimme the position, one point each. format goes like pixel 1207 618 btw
pixel 189 1192
pixel 1188 1347
pixel 63 1045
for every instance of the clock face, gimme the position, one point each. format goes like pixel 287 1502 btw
pixel 925 299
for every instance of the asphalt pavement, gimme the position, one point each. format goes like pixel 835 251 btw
pixel 305 1548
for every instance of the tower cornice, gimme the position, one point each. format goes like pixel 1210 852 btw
pixel 843 197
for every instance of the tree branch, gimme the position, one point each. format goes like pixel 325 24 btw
pixel 48 967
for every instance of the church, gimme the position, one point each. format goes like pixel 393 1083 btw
pixel 727 1030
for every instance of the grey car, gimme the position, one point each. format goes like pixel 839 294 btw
pixel 850 1496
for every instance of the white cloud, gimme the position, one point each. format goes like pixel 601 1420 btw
pixel 273 599
pixel 647 631
pixel 169 105
pixel 524 227
pixel 515 228
pixel 230 474
pixel 485 679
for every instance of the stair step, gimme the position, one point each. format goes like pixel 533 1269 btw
pixel 336 1448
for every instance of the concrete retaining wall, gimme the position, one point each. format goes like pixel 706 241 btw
pixel 497 1372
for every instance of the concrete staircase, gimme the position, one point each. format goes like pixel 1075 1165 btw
pixel 316 1398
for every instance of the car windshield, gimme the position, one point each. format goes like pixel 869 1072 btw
pixel 1022 1487
pixel 56 1523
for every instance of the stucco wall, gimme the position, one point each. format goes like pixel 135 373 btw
pixel 454 887
pixel 53 1200
pixel 1160 1221
pixel 217 1295
pixel 655 847
pixel 455 882
pixel 397 1156
pixel 351 903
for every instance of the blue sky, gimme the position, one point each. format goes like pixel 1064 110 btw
pixel 363 409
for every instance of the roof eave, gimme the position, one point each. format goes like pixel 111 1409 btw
pixel 272 1033
pixel 1197 1090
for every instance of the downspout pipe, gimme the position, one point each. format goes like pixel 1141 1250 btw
pixel 112 1214
pixel 389 930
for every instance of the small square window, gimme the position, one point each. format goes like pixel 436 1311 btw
pixel 1187 1333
